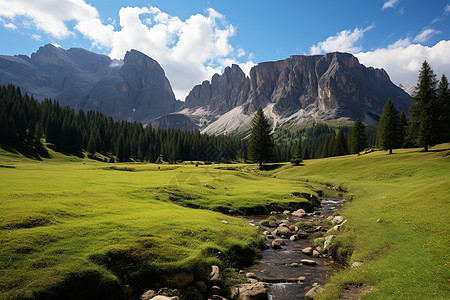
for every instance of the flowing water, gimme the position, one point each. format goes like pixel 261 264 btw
pixel 275 266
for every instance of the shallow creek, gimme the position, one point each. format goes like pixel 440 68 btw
pixel 275 266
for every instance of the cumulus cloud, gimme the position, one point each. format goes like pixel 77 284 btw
pixel 425 35
pixel 402 60
pixel 389 4
pixel 345 41
pixel 190 50
pixel 48 15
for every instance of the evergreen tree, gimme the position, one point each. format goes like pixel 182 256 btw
pixel 388 136
pixel 340 144
pixel 357 137
pixel 91 147
pixel 260 147
pixel 422 111
pixel 297 158
pixel 442 111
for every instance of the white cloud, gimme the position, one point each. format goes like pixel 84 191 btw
pixel 36 37
pixel 190 50
pixel 48 15
pixel 389 4
pixel 10 26
pixel 403 60
pixel 447 9
pixel 425 35
pixel 345 41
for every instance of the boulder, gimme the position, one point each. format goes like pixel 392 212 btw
pixel 328 240
pixel 337 220
pixel 178 280
pixel 307 250
pixel 315 253
pixel 284 231
pixel 250 291
pixel 277 243
pixel 148 295
pixel 215 277
pixel 314 292
pixel 308 262
pixel 192 293
pixel 201 286
pixel 299 213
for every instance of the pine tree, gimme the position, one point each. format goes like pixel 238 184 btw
pixel 357 137
pixel 260 147
pixel 442 111
pixel 91 147
pixel 340 144
pixel 422 111
pixel 297 158
pixel 388 135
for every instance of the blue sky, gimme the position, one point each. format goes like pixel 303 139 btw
pixel 192 40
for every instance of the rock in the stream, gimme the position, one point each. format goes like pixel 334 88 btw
pixel 215 277
pixel 148 295
pixel 161 297
pixel 301 280
pixel 294 237
pixel 299 213
pixel 250 291
pixel 307 250
pixel 284 231
pixel 314 292
pixel 272 224
pixel 276 244
pixel 315 253
pixel 308 262
pixel 302 234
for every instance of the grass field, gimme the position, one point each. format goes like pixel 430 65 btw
pixel 405 254
pixel 67 221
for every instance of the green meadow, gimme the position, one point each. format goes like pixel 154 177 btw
pixel 398 221
pixel 67 221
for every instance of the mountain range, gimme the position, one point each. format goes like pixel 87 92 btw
pixel 301 88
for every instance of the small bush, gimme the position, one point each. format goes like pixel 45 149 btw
pixel 341 249
pixel 266 221
pixel 296 161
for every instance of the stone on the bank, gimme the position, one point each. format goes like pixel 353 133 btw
pixel 178 280
pixel 148 295
pixel 314 292
pixel 250 291
pixel 215 277
pixel 277 243
pixel 357 264
pixel 299 213
pixel 272 224
pixel 307 250
pixel 308 262
pixel 315 253
pixel 328 240
pixel 201 286
pixel 192 293
pixel 286 212
pixel 337 220
pixel 215 290
pixel 250 275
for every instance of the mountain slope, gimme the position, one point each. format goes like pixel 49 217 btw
pixel 134 88
pixel 333 86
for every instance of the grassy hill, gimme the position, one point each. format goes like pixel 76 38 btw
pixel 398 221
pixel 67 221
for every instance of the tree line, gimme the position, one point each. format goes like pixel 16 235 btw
pixel 25 123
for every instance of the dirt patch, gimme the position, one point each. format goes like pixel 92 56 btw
pixel 353 292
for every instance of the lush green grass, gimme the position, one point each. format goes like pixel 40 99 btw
pixel 405 253
pixel 68 221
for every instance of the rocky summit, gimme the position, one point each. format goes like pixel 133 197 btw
pixel 134 88
pixel 334 86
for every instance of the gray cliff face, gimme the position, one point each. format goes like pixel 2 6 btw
pixel 334 84
pixel 133 89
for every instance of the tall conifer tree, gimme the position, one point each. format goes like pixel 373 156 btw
pixel 388 131
pixel 260 147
